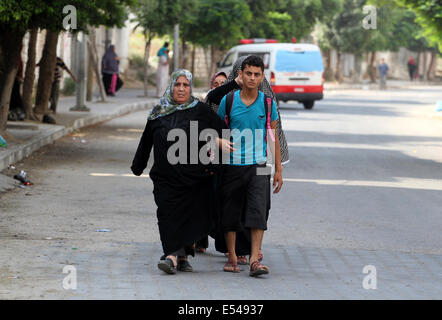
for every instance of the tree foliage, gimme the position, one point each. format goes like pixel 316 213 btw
pixel 27 14
pixel 285 19
pixel 429 16
pixel 217 22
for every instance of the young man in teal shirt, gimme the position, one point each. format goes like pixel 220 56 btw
pixel 245 190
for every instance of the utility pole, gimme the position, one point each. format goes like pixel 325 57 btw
pixel 81 73
pixel 176 34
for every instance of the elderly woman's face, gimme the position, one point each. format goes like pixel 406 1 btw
pixel 218 81
pixel 181 91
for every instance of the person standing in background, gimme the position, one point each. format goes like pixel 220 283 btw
pixel 383 71
pixel 110 69
pixel 163 69
pixel 55 88
pixel 411 68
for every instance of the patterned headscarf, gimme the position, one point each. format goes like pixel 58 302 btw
pixel 167 104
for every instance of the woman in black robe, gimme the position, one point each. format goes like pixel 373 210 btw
pixel 184 192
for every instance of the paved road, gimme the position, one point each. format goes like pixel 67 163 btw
pixel 363 189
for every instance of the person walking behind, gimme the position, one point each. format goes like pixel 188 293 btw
pixel 184 192
pixel 411 68
pixel 244 192
pixel 163 69
pixel 218 79
pixel 110 70
pixel 383 72
pixel 215 81
pixel 55 88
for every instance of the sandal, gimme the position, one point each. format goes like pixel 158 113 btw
pixel 184 266
pixel 260 256
pixel 242 260
pixel 167 266
pixel 256 269
pixel 231 267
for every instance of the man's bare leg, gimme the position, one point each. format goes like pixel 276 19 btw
pixel 257 235
pixel 232 259
pixel 230 242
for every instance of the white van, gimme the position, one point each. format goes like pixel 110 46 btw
pixel 294 70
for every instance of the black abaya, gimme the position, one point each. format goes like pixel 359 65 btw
pixel 184 193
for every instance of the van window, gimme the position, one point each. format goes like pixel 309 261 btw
pixel 228 60
pixel 265 56
pixel 303 61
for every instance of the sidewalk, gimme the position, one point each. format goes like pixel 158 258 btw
pixel 30 136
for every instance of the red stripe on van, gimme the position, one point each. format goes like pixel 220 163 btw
pixel 298 89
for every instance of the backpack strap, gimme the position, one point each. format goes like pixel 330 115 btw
pixel 268 107
pixel 229 103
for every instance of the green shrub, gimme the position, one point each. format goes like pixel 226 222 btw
pixel 151 78
pixel 69 87
pixel 136 61
pixel 200 82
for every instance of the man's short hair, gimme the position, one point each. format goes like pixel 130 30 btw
pixel 252 61
pixel 166 44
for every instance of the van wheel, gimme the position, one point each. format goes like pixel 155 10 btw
pixel 308 104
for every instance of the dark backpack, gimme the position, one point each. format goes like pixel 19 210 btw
pixel 268 109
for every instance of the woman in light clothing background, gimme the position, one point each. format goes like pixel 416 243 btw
pixel 163 69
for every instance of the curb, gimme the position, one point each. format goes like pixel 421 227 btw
pixel 24 150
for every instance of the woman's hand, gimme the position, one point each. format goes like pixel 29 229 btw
pixel 225 145
pixel 238 80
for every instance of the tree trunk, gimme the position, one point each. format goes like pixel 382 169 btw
pixel 146 63
pixel 338 67
pixel 432 67
pixel 184 55
pixel 10 47
pixel 328 73
pixel 424 72
pixel 212 61
pixel 46 74
pixel 193 60
pixel 28 83
pixel 418 65
pixel 94 60
pixel 372 68
pixel 357 69
pixel 90 77
pixel 206 56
